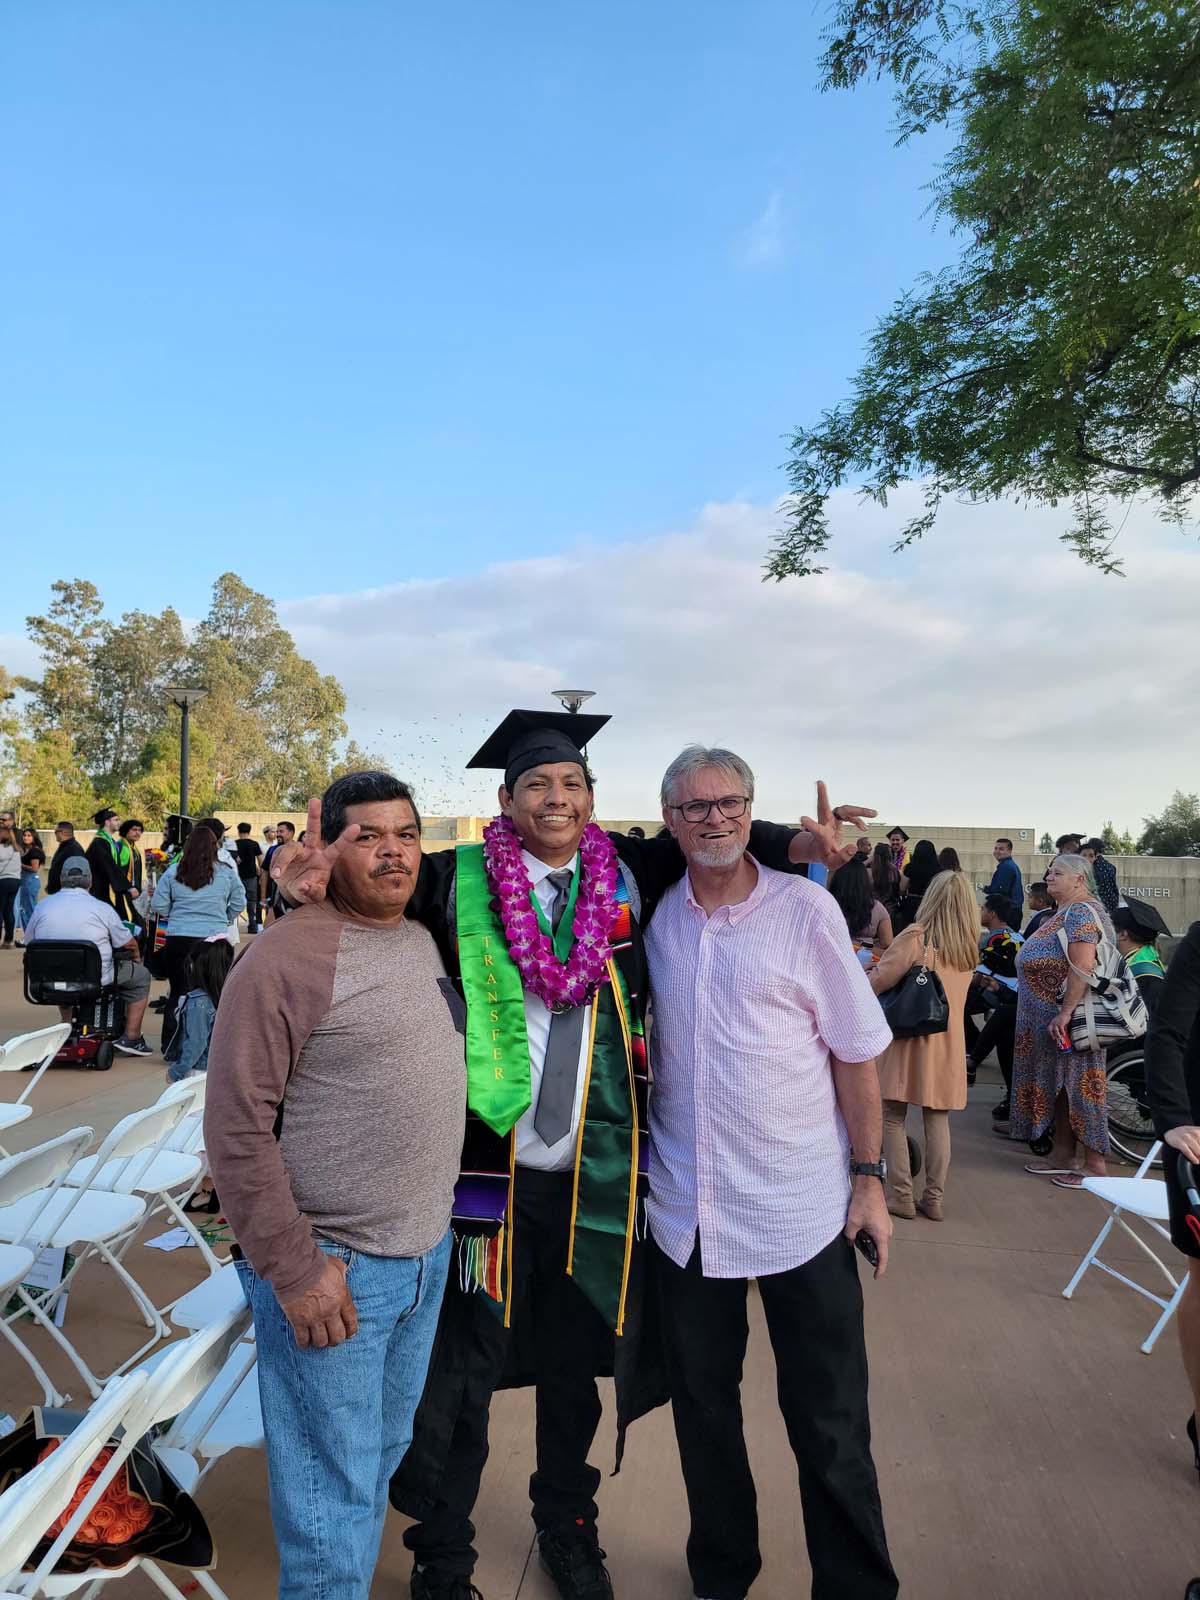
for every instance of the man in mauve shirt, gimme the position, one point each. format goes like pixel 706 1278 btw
pixel 766 1134
pixel 334 1124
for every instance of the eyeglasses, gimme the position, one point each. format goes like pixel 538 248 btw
pixel 730 805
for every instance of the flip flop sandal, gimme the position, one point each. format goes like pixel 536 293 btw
pixel 1051 1172
pixel 1074 1181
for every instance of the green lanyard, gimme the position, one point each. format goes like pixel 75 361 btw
pixel 565 937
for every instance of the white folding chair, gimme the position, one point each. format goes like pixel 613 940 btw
pixel 1146 1199
pixel 28 1050
pixel 226 1416
pixel 98 1218
pixel 210 1299
pixel 169 1179
pixel 179 1378
pixel 32 1504
pixel 172 1384
pixel 36 1177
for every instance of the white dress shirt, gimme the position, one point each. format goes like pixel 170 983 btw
pixel 748 1147
pixel 532 1151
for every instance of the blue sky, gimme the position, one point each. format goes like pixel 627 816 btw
pixel 341 294
pixel 472 333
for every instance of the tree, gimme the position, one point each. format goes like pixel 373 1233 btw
pixel 276 719
pixel 98 727
pixel 1059 358
pixel 61 700
pixel 355 759
pixel 10 728
pixel 1176 831
pixel 49 784
pixel 131 665
pixel 1118 844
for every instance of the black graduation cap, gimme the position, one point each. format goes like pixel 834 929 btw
pixel 529 738
pixel 898 830
pixel 1144 917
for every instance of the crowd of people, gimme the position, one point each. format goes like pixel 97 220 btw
pixel 434 1132
pixel 150 913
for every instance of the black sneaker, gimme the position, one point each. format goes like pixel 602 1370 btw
pixel 132 1047
pixel 1001 1112
pixel 576 1563
pixel 429 1584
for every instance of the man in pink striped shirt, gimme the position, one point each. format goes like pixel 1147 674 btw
pixel 766 1133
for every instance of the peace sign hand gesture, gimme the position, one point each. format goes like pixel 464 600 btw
pixel 302 870
pixel 826 831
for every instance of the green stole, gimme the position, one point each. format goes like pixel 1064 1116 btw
pixel 604 1195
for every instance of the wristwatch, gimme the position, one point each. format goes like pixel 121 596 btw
pixel 870 1169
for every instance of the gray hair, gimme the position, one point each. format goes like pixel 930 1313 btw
pixel 1077 866
pixel 696 758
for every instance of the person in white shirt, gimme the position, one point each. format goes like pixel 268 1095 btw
pixel 540 934
pixel 73 913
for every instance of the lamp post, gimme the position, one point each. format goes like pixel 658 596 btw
pixel 185 697
pixel 572 699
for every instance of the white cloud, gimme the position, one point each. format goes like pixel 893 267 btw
pixel 19 655
pixel 984 678
pixel 763 242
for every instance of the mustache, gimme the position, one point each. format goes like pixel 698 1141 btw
pixel 388 870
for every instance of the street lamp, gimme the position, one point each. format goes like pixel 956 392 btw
pixel 572 699
pixel 185 697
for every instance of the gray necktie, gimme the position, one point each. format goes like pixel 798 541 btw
pixel 560 1071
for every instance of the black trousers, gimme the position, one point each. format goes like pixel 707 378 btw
pixel 998 1033
pixel 176 951
pixel 9 889
pixel 814 1316
pixel 570 1341
pixel 252 911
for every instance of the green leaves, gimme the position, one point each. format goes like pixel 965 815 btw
pixel 1176 832
pixel 1059 359
pixel 97 726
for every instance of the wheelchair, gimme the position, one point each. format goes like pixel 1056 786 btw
pixel 66 972
pixel 1130 1125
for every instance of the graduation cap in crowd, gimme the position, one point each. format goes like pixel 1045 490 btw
pixel 528 739
pixel 898 830
pixel 1140 918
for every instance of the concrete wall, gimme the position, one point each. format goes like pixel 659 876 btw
pixel 1172 882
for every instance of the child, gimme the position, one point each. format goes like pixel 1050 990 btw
pixel 208 967
pixel 1041 905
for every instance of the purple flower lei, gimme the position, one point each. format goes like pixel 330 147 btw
pixel 558 983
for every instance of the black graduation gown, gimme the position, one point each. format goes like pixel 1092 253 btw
pixel 635 1360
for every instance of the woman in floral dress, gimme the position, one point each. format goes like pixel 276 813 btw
pixel 1052 1085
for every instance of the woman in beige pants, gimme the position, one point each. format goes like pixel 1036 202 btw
pixel 931 1071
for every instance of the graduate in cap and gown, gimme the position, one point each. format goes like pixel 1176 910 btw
pixel 540 928
pixel 1137 925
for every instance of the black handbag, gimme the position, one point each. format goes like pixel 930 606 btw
pixel 917 1005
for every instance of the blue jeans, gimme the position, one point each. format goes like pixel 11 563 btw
pixel 338 1421
pixel 27 894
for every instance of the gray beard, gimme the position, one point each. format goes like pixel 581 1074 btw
pixel 720 855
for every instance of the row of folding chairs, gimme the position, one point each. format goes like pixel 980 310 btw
pixel 28 1052
pixel 64 1194
pixel 174 1388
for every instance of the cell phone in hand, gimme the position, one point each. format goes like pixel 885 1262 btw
pixel 865 1244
